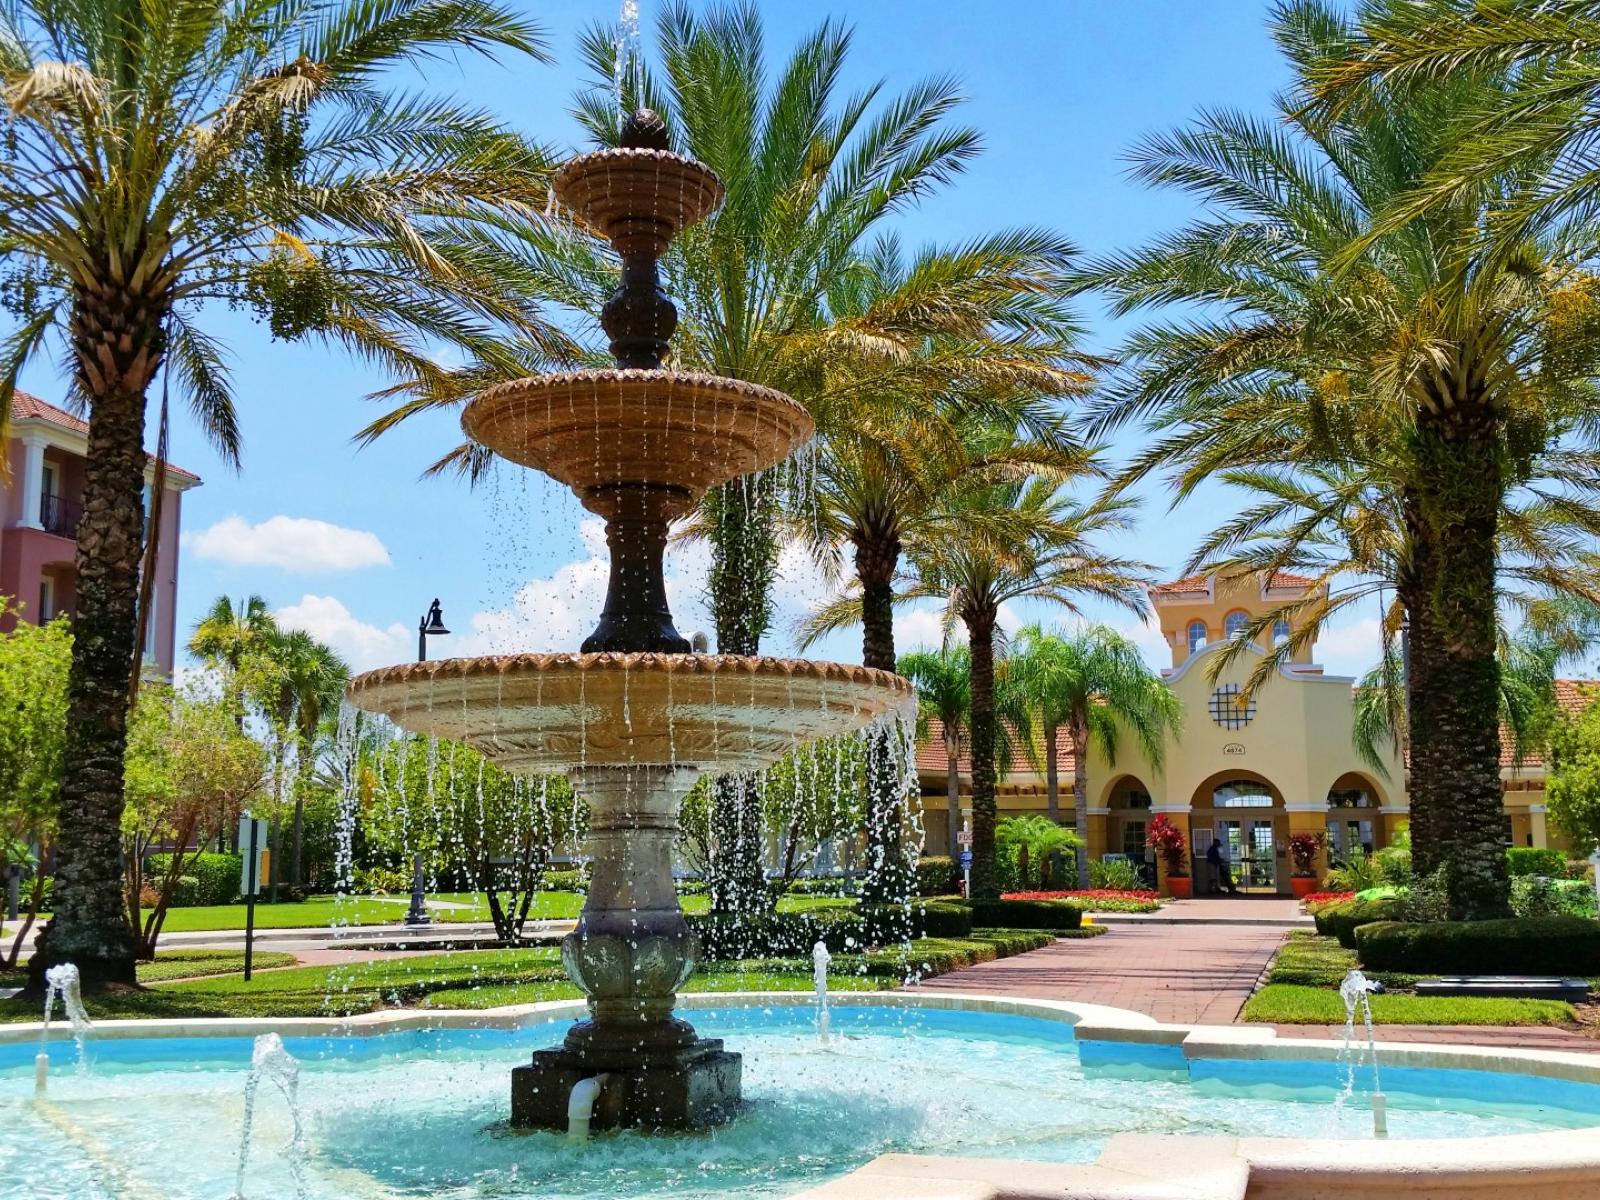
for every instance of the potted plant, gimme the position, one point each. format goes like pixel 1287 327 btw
pixel 1172 846
pixel 1303 850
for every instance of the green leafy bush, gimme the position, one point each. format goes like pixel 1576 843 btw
pixel 381 881
pixel 1342 920
pixel 937 876
pixel 577 881
pixel 1513 946
pixel 950 918
pixel 216 878
pixel 1026 914
pixel 1529 860
pixel 1119 875
pixel 1538 896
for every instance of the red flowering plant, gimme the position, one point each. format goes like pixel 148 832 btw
pixel 1169 842
pixel 1303 848
pixel 1317 901
pixel 1118 900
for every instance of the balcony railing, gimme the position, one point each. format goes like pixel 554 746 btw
pixel 59 515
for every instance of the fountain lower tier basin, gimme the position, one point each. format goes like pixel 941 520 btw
pixel 676 431
pixel 420 1113
pixel 550 713
pixel 696 1087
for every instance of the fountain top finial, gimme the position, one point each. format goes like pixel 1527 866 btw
pixel 645 130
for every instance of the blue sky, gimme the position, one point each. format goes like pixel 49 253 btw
pixel 1059 89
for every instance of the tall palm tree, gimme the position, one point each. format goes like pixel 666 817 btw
pixel 1095 685
pixel 228 636
pixel 308 680
pixel 994 543
pixel 1548 51
pixel 944 693
pixel 162 155
pixel 1432 347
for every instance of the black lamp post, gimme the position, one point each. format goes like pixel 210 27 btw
pixel 431 624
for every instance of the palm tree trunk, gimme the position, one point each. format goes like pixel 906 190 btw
pixel 115 337
pixel 744 562
pixel 952 784
pixel 1080 796
pixel 890 873
pixel 980 633
pixel 1455 684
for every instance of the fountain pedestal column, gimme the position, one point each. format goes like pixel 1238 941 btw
pixel 631 952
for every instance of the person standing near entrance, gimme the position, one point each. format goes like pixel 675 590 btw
pixel 1221 876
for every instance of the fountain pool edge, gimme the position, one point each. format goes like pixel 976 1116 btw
pixel 1556 1165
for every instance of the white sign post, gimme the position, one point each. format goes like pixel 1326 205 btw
pixel 964 840
pixel 257 862
pixel 1594 861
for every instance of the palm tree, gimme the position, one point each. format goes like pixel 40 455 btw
pixel 994 543
pixel 1095 685
pixel 160 156
pixel 307 683
pixel 227 637
pixel 944 693
pixel 1547 51
pixel 1432 351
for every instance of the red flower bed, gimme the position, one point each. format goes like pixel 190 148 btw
pixel 1327 897
pixel 1088 894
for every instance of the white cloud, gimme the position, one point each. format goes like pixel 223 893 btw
pixel 363 646
pixel 299 544
pixel 1148 637
pixel 1349 648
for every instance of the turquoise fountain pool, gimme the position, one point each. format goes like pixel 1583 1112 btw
pixel 420 1114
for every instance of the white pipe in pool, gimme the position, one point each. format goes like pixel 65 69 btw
pixel 580 1106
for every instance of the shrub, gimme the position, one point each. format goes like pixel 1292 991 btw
pixel 1026 914
pixel 1537 896
pixel 381 881
pixel 1527 860
pixel 574 881
pixel 821 885
pixel 1118 875
pixel 937 876
pixel 1342 920
pixel 1514 946
pixel 1169 843
pixel 1428 898
pixel 842 930
pixel 685 887
pixel 216 878
pixel 944 918
pixel 1303 849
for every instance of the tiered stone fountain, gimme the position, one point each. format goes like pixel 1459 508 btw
pixel 636 717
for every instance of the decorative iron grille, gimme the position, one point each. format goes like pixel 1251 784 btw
pixel 1228 710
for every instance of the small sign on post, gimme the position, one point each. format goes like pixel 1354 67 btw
pixel 255 869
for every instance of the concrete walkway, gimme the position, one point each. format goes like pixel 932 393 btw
pixel 1193 973
pixel 1517 1037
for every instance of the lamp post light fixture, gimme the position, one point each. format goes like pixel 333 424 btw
pixel 430 625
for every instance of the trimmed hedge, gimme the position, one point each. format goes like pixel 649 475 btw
pixel 216 878
pixel 1512 946
pixel 1528 860
pixel 1026 914
pixel 937 876
pixel 1342 920
pixel 842 930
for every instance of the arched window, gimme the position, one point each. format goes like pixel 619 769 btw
pixel 1197 635
pixel 1241 793
pixel 1234 626
pixel 1280 632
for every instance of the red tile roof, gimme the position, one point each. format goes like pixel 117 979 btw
pixel 27 407
pixel 1572 696
pixel 1198 584
pixel 931 756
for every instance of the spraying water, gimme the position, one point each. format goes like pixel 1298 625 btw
pixel 270 1060
pixel 820 958
pixel 61 982
pixel 1356 992
pixel 627 51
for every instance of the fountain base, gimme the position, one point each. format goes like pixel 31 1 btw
pixel 694 1087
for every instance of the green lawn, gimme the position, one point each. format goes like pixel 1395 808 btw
pixel 1302 988
pixel 184 964
pixel 319 911
pixel 487 978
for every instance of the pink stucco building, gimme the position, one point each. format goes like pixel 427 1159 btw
pixel 39 509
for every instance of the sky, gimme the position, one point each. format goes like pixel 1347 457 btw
pixel 352 545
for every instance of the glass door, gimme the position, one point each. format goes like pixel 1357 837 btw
pixel 1251 847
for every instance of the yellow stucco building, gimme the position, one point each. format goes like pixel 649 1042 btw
pixel 1250 774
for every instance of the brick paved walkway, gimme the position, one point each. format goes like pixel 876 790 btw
pixel 1189 974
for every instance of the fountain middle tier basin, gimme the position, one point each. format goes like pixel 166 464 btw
pixel 552 713
pixel 597 430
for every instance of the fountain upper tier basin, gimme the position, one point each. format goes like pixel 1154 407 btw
pixel 539 714
pixel 639 198
pixel 596 431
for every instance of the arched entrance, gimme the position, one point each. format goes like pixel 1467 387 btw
pixel 1127 806
pixel 1244 811
pixel 1353 803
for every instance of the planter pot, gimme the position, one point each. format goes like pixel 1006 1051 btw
pixel 1303 885
pixel 1181 886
